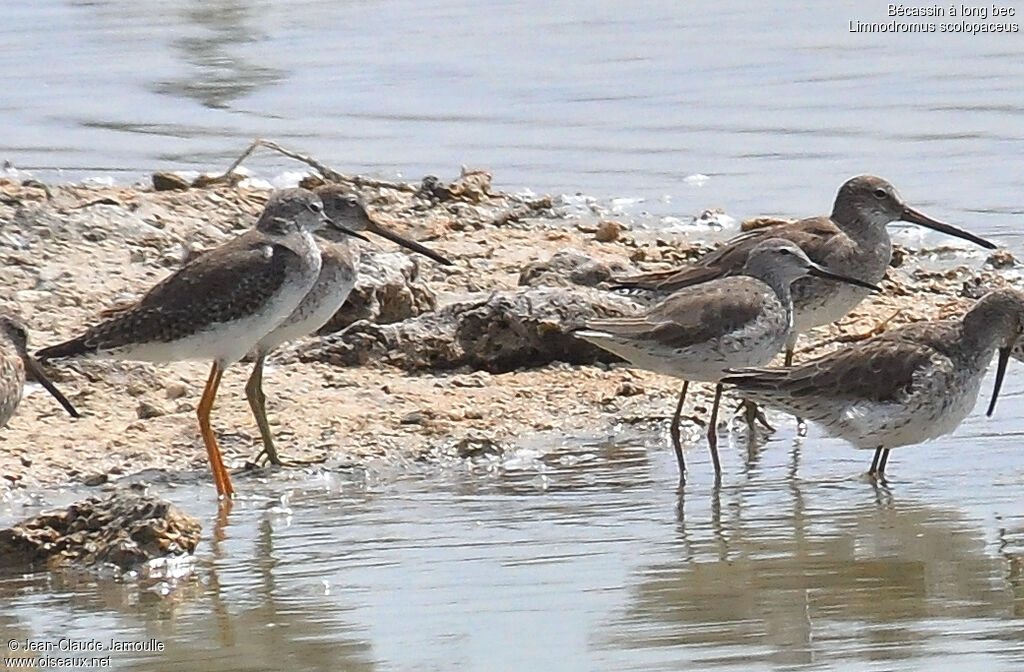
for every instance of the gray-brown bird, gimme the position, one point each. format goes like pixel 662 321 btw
pixel 901 387
pixel 852 241
pixel 219 305
pixel 337 277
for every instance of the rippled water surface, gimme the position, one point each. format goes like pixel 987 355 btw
pixel 579 553
pixel 612 99
pixel 584 556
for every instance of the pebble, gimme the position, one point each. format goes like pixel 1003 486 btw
pixel 95 479
pixel 175 390
pixel 608 231
pixel 146 410
pixel 413 418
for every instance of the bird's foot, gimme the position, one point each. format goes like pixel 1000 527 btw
pixel 267 458
pixel 752 413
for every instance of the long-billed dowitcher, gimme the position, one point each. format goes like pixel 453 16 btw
pixel 336 280
pixel 218 305
pixel 902 387
pixel 699 332
pixel 853 241
pixel 14 362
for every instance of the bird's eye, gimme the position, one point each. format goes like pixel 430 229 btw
pixel 880 193
pixel 316 207
pixel 786 251
pixel 352 201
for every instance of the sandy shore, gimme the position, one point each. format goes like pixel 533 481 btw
pixel 70 251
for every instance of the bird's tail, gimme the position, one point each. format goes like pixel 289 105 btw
pixel 73 348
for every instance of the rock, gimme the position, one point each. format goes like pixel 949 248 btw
pixel 388 289
pixel 146 410
pixel 413 418
pixel 93 480
pixel 169 182
pixel 473 186
pixel 570 267
pixel 1001 259
pixel 507 330
pixel 628 389
pixel 608 231
pixel 175 390
pixel 477 445
pixel 477 379
pixel 714 218
pixel 125 529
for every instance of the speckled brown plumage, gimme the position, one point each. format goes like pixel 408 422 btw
pixel 326 296
pixel 218 286
pixel 12 379
pixel 696 316
pixel 218 306
pixel 902 387
pixel 853 240
pixel 881 369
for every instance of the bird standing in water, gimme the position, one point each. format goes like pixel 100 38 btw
pixel 852 241
pixel 901 387
pixel 698 332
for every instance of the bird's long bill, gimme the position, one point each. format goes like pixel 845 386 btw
pixel 33 367
pixel 383 232
pixel 917 217
pixel 344 229
pixel 1004 357
pixel 822 272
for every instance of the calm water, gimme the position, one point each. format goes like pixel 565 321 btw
pixel 576 553
pixel 608 98
pixel 583 556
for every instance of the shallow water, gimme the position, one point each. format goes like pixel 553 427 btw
pixel 602 97
pixel 583 554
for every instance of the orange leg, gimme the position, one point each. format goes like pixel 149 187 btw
pixel 221 478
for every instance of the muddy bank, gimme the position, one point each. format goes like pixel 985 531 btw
pixel 432 361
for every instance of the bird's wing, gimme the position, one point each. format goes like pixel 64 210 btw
pixel 813 235
pixel 881 369
pixel 222 285
pixel 693 315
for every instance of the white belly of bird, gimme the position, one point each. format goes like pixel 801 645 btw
pixel 317 307
pixel 816 310
pixel 754 345
pixel 227 342
pixel 935 409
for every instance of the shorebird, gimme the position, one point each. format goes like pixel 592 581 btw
pixel 902 387
pixel 336 279
pixel 699 332
pixel 218 305
pixel 14 362
pixel 852 241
